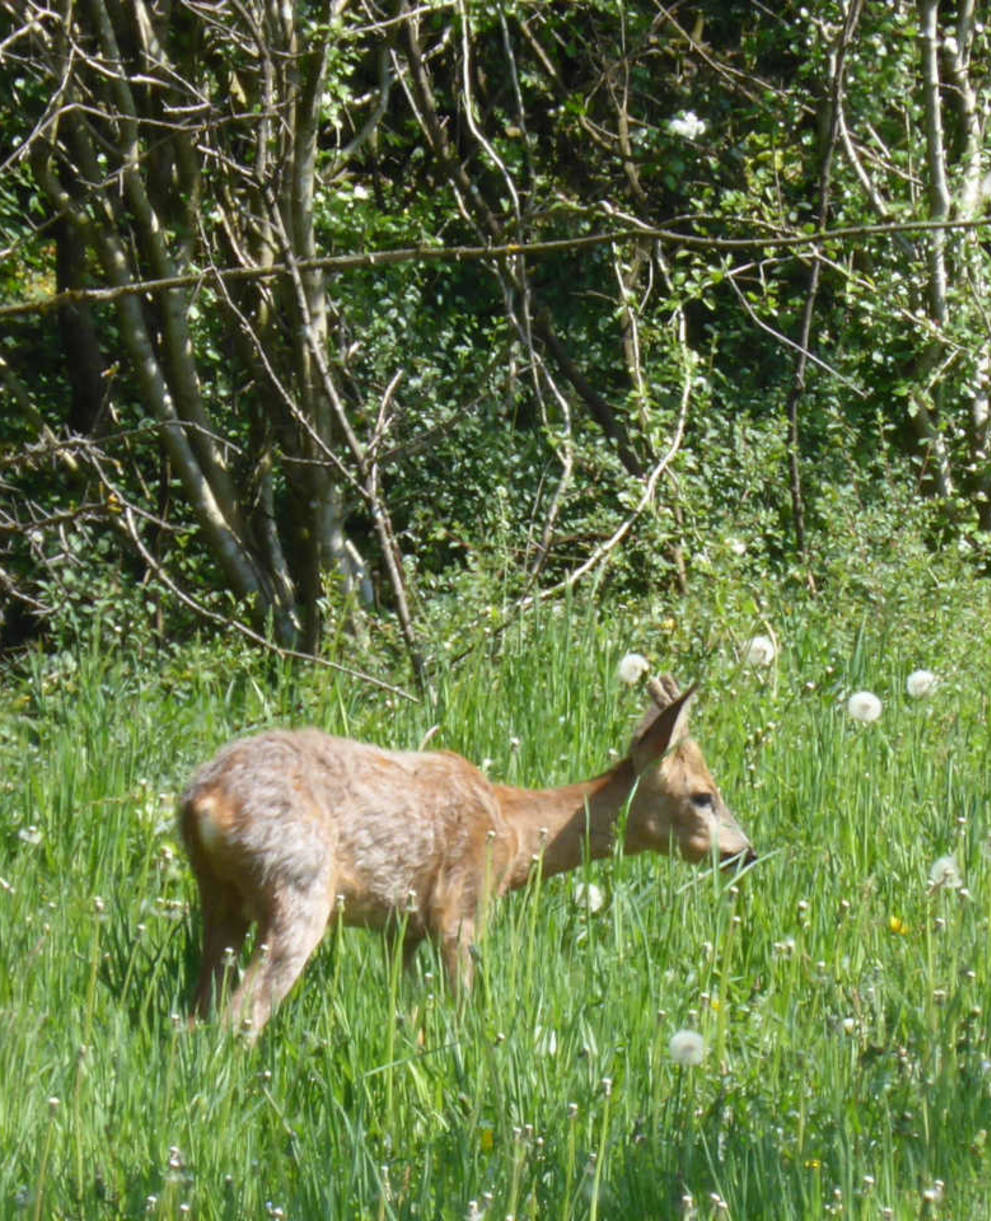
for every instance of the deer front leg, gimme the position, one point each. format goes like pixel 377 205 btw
pixel 456 951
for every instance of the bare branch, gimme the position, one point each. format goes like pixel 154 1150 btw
pixel 772 239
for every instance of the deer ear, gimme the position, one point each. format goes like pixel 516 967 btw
pixel 663 690
pixel 661 730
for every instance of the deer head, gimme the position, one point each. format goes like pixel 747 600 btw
pixel 677 804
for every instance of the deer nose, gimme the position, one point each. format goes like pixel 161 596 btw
pixel 737 860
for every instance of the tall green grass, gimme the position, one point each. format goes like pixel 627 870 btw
pixel 844 1007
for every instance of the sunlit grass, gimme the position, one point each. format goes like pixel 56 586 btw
pixel 840 996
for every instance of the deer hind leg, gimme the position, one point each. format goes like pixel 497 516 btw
pixel 224 930
pixel 287 937
pixel 411 943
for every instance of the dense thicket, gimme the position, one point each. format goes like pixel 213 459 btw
pixel 446 306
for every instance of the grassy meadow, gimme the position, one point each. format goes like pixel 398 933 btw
pixel 842 998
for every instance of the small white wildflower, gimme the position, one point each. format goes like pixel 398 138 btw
pixel 29 834
pixel 737 546
pixel 934 1194
pixel 688 125
pixel 687 1047
pixel 632 667
pixel 760 651
pixel 921 683
pixel 588 897
pixel 864 706
pixel 945 875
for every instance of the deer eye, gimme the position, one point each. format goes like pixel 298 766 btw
pixel 703 801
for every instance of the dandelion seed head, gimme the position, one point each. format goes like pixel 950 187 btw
pixel 864 706
pixel 687 1047
pixel 921 683
pixel 760 651
pixel 632 667
pixel 945 875
pixel 588 897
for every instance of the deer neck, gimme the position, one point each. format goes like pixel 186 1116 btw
pixel 560 828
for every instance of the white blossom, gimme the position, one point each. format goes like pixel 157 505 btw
pixel 688 125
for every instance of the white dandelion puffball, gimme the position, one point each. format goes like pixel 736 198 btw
pixel 921 683
pixel 588 896
pixel 760 651
pixel 632 668
pixel 864 706
pixel 945 875
pixel 687 1047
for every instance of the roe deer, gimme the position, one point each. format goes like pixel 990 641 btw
pixel 295 830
